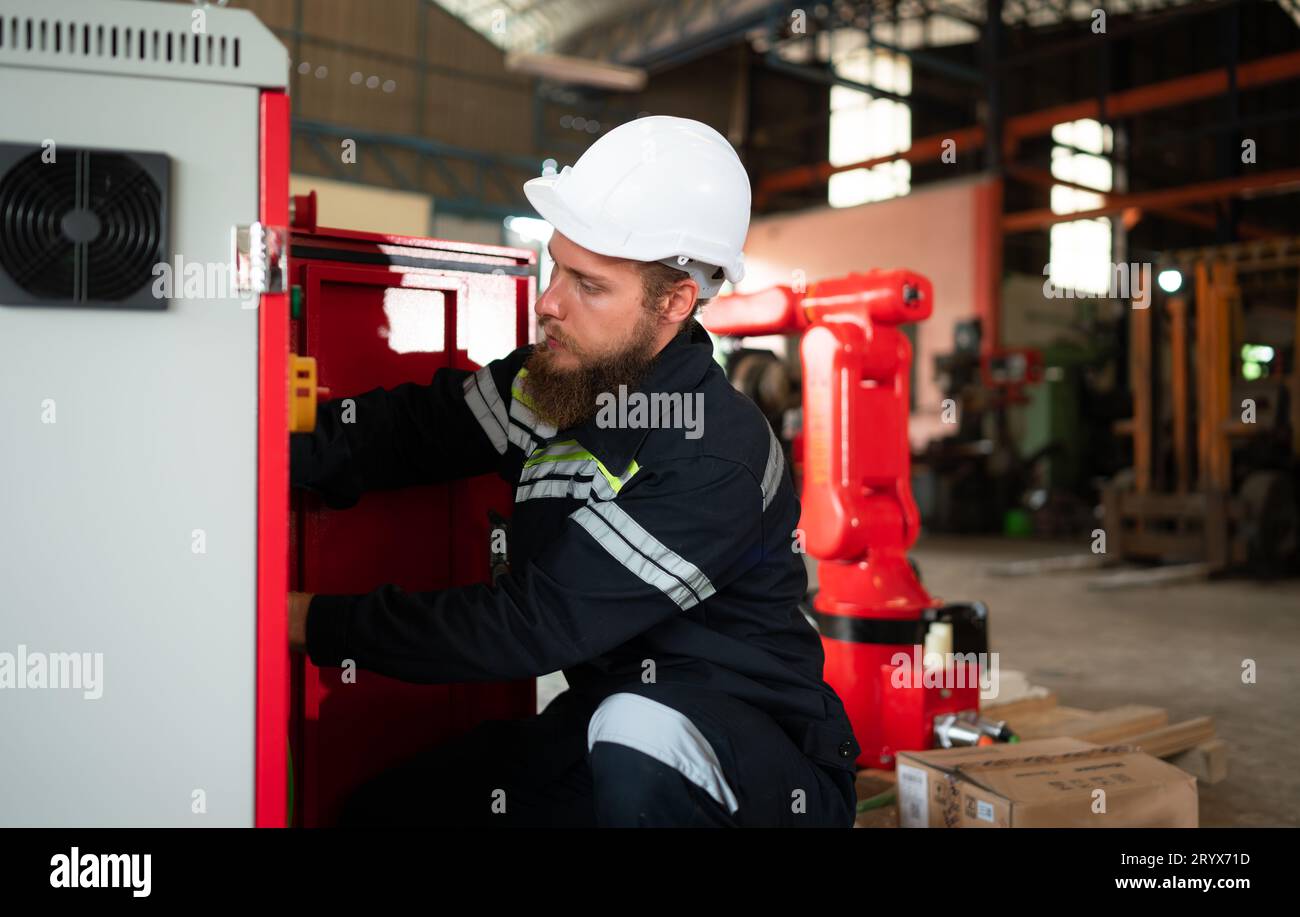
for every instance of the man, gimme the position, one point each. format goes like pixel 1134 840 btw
pixel 654 565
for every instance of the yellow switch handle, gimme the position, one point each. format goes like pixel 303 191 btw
pixel 302 394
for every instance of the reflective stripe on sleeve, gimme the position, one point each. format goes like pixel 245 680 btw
pixel 486 406
pixel 772 476
pixel 633 560
pixel 643 554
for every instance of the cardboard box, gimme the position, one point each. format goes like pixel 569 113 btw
pixel 1044 783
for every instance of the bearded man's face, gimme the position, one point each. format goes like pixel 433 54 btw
pixel 596 333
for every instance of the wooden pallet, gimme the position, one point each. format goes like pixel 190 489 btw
pixel 1190 744
pixel 1147 728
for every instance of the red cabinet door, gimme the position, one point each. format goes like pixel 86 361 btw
pixel 367 327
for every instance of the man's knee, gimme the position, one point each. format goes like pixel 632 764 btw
pixel 650 766
pixel 633 790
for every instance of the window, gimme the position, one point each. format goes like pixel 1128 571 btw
pixel 863 127
pixel 1080 251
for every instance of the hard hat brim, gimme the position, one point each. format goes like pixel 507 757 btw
pixel 551 206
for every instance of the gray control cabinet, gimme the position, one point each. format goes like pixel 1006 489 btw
pixel 128 436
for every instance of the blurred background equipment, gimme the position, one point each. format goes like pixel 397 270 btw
pixel 1216 415
pixel 976 480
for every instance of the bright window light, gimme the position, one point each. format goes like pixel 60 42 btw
pixel 415 320
pixel 1080 251
pixel 863 127
pixel 530 228
pixel 535 234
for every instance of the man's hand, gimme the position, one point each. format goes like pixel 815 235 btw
pixel 299 602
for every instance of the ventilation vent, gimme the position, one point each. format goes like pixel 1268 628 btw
pixel 94 40
pixel 83 230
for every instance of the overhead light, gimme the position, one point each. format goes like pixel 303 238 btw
pixel 1257 353
pixel 1170 280
pixel 579 70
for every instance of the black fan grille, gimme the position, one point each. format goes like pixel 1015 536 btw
pixel 86 228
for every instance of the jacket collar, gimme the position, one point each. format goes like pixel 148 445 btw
pixel 680 367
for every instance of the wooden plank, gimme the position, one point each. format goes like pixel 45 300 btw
pixel 1040 723
pixel 1170 740
pixel 1103 727
pixel 1020 708
pixel 1208 762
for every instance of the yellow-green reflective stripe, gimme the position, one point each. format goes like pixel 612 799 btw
pixel 615 483
pixel 559 457
pixel 523 398
pixel 631 471
pixel 517 389
pixel 547 454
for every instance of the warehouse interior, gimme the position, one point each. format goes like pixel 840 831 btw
pixel 1097 426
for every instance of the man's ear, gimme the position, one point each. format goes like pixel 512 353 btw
pixel 680 305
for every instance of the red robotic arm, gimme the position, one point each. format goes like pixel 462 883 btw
pixel 859 518
pixel 856 492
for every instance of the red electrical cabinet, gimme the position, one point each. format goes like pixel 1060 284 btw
pixel 376 310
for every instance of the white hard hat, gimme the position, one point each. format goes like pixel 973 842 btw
pixel 655 189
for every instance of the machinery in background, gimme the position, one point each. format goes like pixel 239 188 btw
pixel 1216 431
pixel 973 480
pixel 957 730
pixel 766 378
pixel 1066 425
pixel 1031 440
pixel 859 518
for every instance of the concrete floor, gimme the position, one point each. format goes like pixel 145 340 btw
pixel 1180 647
